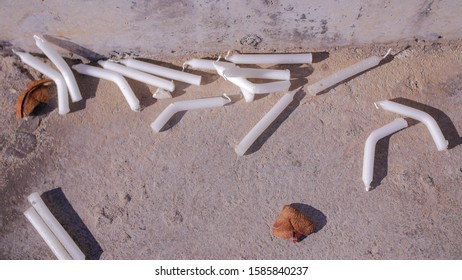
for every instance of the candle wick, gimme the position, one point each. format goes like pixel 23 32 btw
pixel 388 52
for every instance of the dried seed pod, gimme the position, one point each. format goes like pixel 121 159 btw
pixel 291 223
pixel 35 93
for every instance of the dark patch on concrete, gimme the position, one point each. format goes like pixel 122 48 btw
pixel 452 86
pixel 23 144
pixel 303 17
pixel 289 8
pixel 324 26
pixel 360 13
pixel 425 12
pixel 251 40
pixel 5 47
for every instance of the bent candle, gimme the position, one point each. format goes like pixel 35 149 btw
pixel 178 106
pixel 263 124
pixel 344 74
pixel 435 131
pixel 138 75
pixel 55 227
pixel 62 66
pixel 63 98
pixel 125 88
pixel 369 148
pixel 46 234
pixel 162 71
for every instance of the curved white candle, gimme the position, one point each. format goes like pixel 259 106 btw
pixel 430 123
pixel 369 148
pixel 162 71
pixel 63 98
pixel 345 74
pixel 51 240
pixel 127 91
pixel 178 106
pixel 204 64
pixel 138 75
pixel 62 66
pixel 263 124
pixel 295 58
pixel 53 224
pixel 269 74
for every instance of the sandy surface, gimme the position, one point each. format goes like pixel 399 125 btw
pixel 125 192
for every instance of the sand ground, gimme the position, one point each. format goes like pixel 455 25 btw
pixel 125 192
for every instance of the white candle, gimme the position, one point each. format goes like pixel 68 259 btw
pixel 138 75
pixel 425 118
pixel 162 71
pixel 63 98
pixel 46 234
pixel 55 227
pixel 296 58
pixel 250 87
pixel 369 148
pixel 263 124
pixel 62 66
pixel 247 73
pixel 203 64
pixel 345 73
pixel 178 106
pixel 127 91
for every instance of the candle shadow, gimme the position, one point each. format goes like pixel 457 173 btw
pixel 174 120
pixel 320 56
pixel 260 141
pixel 74 48
pixel 60 207
pixel 315 215
pixel 386 60
pixel 444 122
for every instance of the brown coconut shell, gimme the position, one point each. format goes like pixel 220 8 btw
pixel 291 223
pixel 35 93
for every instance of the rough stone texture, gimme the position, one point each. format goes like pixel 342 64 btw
pixel 159 27
pixel 185 194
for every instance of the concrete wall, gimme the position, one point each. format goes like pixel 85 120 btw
pixel 182 26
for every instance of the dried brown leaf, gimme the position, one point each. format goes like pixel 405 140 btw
pixel 291 223
pixel 35 93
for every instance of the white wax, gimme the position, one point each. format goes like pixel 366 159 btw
pixel 127 91
pixel 62 66
pixel 344 74
pixel 203 64
pixel 162 71
pixel 138 75
pixel 63 98
pixel 268 74
pixel 162 94
pixel 248 96
pixel 435 131
pixel 296 58
pixel 53 224
pixel 369 148
pixel 263 124
pixel 178 106
pixel 253 88
pixel 48 236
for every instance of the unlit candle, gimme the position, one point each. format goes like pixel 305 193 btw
pixel 138 75
pixel 46 234
pixel 162 71
pixel 63 98
pixel 263 124
pixel 369 148
pixel 344 74
pixel 203 64
pixel 435 131
pixel 178 106
pixel 62 66
pixel 291 58
pixel 57 229
pixel 125 88
pixel 269 74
